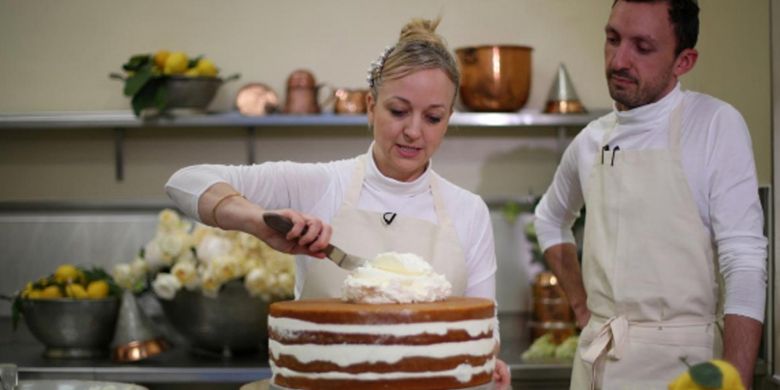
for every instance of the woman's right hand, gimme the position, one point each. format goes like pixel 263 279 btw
pixel 309 235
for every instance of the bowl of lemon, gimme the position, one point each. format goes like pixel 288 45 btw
pixel 166 82
pixel 73 311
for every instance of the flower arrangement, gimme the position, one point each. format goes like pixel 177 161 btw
pixel 193 256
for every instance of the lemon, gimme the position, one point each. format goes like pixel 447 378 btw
pixel 97 289
pixel 75 290
pixel 67 273
pixel 160 58
pixel 731 378
pixel 34 294
pixel 206 68
pixel 176 63
pixel 192 72
pixel 51 292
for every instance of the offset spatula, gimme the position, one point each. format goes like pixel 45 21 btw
pixel 344 260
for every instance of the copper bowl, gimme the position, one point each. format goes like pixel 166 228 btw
pixel 494 77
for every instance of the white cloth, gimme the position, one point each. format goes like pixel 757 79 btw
pixel 319 189
pixel 717 160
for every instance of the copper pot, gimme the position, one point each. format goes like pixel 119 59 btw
pixel 302 91
pixel 350 101
pixel 494 77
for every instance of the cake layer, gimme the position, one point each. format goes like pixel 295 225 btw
pixel 406 365
pixel 334 311
pixel 461 377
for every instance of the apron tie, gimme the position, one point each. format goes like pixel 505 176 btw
pixel 614 330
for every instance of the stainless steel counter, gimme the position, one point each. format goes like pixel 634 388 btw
pixel 182 368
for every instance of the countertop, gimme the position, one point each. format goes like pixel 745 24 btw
pixel 182 365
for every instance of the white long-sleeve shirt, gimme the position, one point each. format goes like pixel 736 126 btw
pixel 319 189
pixel 717 159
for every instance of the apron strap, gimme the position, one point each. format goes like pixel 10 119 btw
pixel 355 183
pixel 675 129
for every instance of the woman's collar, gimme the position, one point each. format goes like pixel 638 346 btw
pixel 375 179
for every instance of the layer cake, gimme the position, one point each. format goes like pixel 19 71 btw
pixel 331 344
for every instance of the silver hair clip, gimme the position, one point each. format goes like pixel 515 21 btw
pixel 377 65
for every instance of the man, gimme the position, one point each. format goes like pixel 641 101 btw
pixel 674 259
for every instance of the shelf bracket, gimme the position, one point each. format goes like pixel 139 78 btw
pixel 119 158
pixel 561 141
pixel 250 145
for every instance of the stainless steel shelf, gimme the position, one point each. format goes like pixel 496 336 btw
pixel 126 120
pixel 120 121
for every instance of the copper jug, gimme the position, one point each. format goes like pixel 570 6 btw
pixel 494 77
pixel 302 92
pixel 350 101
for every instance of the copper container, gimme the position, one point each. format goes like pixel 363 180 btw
pixel 494 77
pixel 350 101
pixel 302 93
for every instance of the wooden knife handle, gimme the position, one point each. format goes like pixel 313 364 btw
pixel 280 223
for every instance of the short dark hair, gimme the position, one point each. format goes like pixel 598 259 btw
pixel 684 16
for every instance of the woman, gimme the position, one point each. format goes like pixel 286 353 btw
pixel 387 199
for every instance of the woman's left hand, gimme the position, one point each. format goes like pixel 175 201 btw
pixel 501 376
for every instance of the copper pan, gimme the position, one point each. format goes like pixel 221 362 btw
pixel 494 77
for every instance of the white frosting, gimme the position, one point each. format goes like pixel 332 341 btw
pixel 348 354
pixel 395 278
pixel 463 373
pixel 287 327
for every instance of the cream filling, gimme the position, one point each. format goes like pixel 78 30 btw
pixel 288 327
pixel 345 355
pixel 463 373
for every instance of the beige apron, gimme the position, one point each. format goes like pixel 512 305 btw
pixel 649 270
pixel 367 233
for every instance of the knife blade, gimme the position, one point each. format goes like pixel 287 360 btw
pixel 342 259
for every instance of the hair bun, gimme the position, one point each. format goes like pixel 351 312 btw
pixel 419 29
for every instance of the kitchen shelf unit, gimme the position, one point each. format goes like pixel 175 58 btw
pixel 121 121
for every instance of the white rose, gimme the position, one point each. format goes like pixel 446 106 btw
pixel 138 268
pixel 168 220
pixel 172 245
pixel 123 276
pixel 226 268
pixel 166 285
pixel 153 256
pixel 210 285
pixel 187 275
pixel 212 246
pixel 255 282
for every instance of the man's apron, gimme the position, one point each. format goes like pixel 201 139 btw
pixel 649 271
pixel 367 233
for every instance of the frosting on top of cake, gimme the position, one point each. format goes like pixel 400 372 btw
pixel 393 277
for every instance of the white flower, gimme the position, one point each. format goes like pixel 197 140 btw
pixel 153 256
pixel 213 246
pixel 187 275
pixel 123 276
pixel 172 245
pixel 138 268
pixel 166 285
pixel 225 268
pixel 210 285
pixel 255 282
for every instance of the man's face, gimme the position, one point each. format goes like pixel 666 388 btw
pixel 639 54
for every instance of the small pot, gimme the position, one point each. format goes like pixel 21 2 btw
pixel 494 77
pixel 350 101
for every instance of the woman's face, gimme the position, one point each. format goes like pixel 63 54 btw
pixel 409 119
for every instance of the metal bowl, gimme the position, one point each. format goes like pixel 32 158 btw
pixel 77 328
pixel 191 92
pixel 494 77
pixel 233 322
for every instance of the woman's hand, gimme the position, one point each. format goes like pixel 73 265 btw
pixel 501 375
pixel 309 235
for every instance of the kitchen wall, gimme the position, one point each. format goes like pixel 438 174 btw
pixel 56 56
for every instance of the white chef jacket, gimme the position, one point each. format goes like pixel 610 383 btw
pixel 717 160
pixel 319 188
